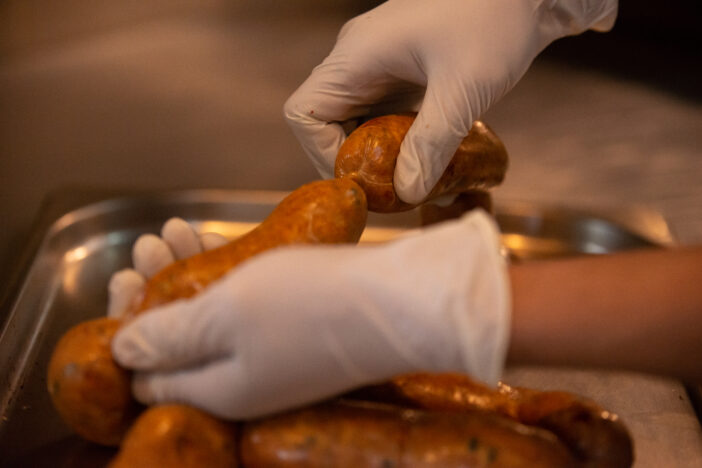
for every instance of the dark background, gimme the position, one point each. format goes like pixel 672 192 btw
pixel 654 42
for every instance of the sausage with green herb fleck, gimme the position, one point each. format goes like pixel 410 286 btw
pixel 353 434
pixel 596 437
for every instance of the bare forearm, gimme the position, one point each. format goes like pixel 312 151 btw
pixel 639 311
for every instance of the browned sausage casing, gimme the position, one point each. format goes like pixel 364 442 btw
pixel 178 436
pixel 92 393
pixel 596 437
pixel 365 435
pixel 369 155
pixel 321 212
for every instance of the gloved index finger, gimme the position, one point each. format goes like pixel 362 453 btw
pixel 150 254
pixel 169 337
pixel 181 238
pixel 124 288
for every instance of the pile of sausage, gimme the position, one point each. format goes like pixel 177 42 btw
pixel 420 420
pixel 414 420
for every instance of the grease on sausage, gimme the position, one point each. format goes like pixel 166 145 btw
pixel 367 435
pixel 595 436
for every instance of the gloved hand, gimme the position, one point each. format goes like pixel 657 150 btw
pixel 298 324
pixel 150 255
pixel 449 59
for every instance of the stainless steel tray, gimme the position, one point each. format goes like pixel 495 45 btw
pixel 65 283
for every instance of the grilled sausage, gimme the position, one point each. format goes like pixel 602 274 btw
pixel 369 155
pixel 347 433
pixel 92 394
pixel 178 435
pixel 595 436
pixel 366 435
pixel 321 212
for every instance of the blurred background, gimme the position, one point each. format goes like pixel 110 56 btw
pixel 143 95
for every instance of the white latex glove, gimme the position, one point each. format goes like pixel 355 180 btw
pixel 150 255
pixel 299 324
pixel 454 57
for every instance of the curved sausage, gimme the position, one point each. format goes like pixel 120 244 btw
pixel 93 394
pixel 178 436
pixel 354 435
pixel 321 212
pixel 596 437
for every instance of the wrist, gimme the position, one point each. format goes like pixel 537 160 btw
pixel 456 313
pixel 484 321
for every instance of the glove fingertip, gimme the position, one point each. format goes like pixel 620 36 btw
pixel 150 254
pixel 124 288
pixel 181 238
pixel 124 277
pixel 212 240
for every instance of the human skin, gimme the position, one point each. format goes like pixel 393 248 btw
pixel 638 310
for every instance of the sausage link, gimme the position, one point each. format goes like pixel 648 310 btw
pixel 321 212
pixel 92 393
pixel 370 153
pixel 344 434
pixel 181 436
pixel 595 436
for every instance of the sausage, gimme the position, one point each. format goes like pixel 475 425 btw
pixel 321 212
pixel 88 389
pixel 178 435
pixel 347 433
pixel 340 434
pixel 91 393
pixel 343 434
pixel 369 154
pixel 440 392
pixel 596 437
pixel 93 396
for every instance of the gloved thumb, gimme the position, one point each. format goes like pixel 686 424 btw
pixel 429 145
pixel 175 335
